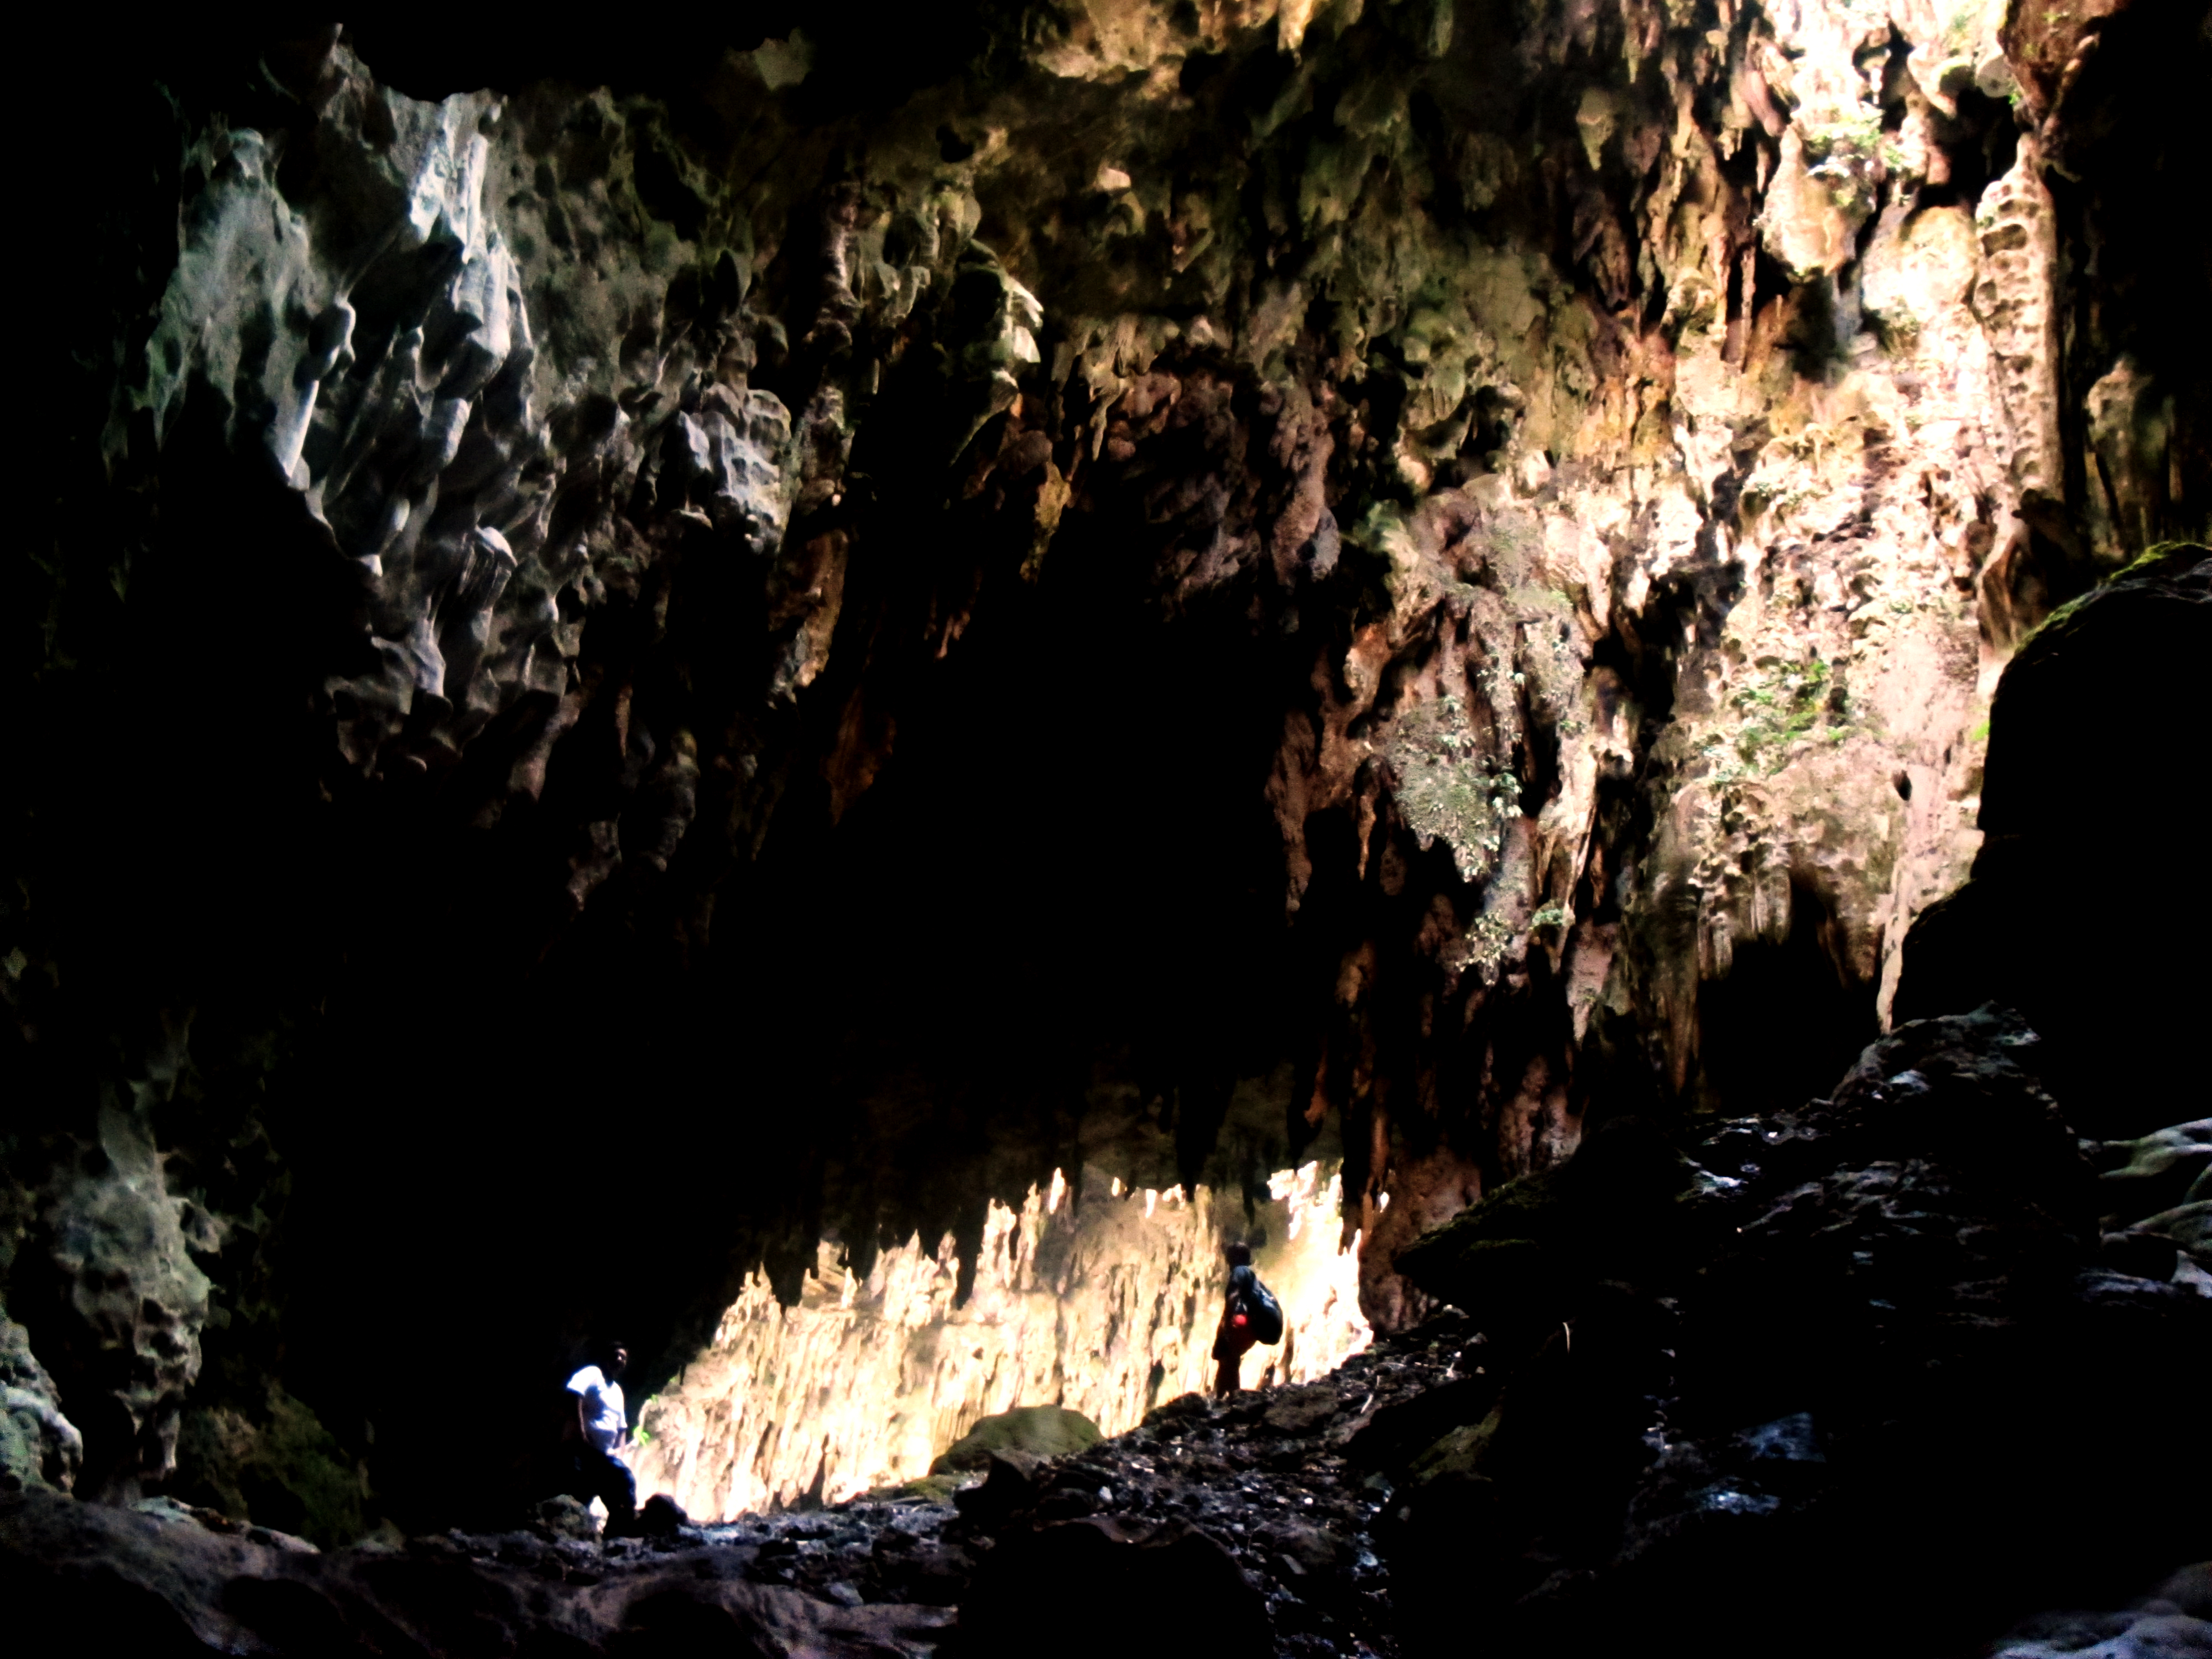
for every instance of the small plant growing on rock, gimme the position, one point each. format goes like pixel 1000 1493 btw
pixel 1959 27
pixel 1446 788
pixel 1482 947
pixel 1853 138
pixel 1778 709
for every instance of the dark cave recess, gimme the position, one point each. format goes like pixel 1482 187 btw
pixel 1785 1021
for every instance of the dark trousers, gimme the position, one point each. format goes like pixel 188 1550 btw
pixel 606 1477
pixel 1229 1347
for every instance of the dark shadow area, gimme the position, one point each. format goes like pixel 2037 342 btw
pixel 1066 876
pixel 1784 1023
pixel 1978 146
pixel 2083 911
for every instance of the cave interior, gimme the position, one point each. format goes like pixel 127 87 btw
pixel 658 661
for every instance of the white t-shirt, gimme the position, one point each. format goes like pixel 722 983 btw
pixel 603 1421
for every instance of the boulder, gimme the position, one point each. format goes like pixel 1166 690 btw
pixel 1518 1255
pixel 928 1489
pixel 1301 1410
pixel 1036 1431
pixel 2081 746
pixel 1097 1588
pixel 1010 1486
pixel 278 1465
pixel 662 1516
pixel 162 1583
pixel 564 1516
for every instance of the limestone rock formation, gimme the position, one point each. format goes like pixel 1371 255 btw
pixel 39 1447
pixel 737 648
pixel 2176 1616
pixel 271 1461
pixel 1092 1305
pixel 1904 1283
pixel 1812 1388
pixel 116 1296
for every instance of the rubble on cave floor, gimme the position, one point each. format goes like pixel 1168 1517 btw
pixel 1895 1355
pixel 1277 1485
pixel 1253 1514
pixel 1273 1481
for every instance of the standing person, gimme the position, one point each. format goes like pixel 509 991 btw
pixel 601 1419
pixel 1250 1314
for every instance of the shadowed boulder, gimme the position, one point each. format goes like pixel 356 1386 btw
pixel 2083 764
pixel 1086 1588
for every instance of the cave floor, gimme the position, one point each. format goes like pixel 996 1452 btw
pixel 1274 1480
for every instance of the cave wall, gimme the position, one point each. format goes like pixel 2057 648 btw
pixel 862 617
pixel 1101 1300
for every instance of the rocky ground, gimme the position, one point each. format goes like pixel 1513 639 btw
pixel 1881 1375
pixel 1260 1510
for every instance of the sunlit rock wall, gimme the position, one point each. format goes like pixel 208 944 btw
pixel 1103 1302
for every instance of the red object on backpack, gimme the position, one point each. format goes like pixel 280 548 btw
pixel 1240 1321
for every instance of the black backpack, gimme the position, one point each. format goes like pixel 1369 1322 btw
pixel 1263 1315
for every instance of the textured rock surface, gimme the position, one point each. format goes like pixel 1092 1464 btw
pixel 111 1284
pixel 2081 689
pixel 1810 1386
pixel 39 1447
pixel 1178 589
pixel 1104 1306
pixel 1032 1432
pixel 1890 1290
pixel 271 1460
pixel 142 1583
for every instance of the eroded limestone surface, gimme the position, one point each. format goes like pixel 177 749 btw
pixel 1613 448
pixel 1705 1387
pixel 38 1446
pixel 115 1250
pixel 1104 1303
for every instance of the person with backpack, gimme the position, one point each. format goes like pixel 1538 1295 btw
pixel 1251 1315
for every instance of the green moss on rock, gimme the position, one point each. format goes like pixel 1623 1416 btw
pixel 1040 1431
pixel 287 1471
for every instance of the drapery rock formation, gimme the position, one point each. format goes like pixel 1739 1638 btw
pixel 633 665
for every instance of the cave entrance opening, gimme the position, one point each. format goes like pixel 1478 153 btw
pixel 1787 1019
pixel 1093 1296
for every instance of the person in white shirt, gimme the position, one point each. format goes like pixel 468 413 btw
pixel 604 1427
